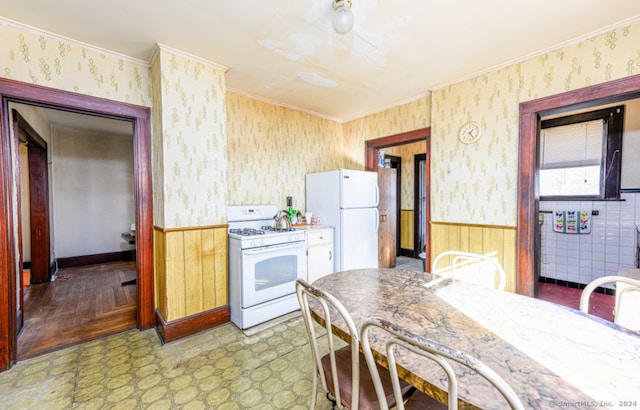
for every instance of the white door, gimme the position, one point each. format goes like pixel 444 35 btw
pixel 359 238
pixel 359 189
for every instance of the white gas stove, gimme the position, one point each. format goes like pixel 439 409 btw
pixel 264 264
pixel 264 236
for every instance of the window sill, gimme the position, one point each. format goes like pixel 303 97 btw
pixel 579 198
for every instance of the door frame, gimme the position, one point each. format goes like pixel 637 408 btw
pixel 371 164
pixel 31 94
pixel 416 201
pixel 528 196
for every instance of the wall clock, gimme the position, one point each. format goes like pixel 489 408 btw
pixel 470 133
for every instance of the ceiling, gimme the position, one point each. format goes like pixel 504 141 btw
pixel 286 52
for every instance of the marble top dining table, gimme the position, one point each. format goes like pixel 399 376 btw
pixel 552 356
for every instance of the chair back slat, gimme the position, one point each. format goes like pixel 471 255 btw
pixel 483 270
pixel 330 307
pixel 442 355
pixel 623 294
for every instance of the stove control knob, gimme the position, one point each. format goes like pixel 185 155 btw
pixel 253 243
pixel 261 242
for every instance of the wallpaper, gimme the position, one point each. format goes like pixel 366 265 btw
pixel 477 183
pixel 401 118
pixel 192 141
pixel 157 163
pixel 49 61
pixel 272 148
pixel 407 153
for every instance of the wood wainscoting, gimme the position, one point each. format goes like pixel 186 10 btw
pixel 497 241
pixel 191 280
pixel 406 229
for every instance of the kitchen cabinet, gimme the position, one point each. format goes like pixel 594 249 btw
pixel 319 252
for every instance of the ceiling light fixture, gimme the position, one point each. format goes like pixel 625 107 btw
pixel 342 19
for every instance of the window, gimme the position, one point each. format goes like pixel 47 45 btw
pixel 580 155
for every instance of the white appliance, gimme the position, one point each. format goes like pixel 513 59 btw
pixel 264 264
pixel 348 200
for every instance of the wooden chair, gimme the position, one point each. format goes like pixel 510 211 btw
pixel 470 267
pixel 398 338
pixel 623 298
pixel 342 371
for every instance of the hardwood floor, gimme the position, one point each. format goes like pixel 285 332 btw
pixel 83 304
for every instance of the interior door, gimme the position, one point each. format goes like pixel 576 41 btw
pixel 387 182
pixel 38 192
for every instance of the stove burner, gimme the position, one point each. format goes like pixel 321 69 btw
pixel 274 229
pixel 246 231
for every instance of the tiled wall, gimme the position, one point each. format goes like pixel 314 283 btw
pixel 581 258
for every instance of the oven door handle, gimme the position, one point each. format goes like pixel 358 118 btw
pixel 273 248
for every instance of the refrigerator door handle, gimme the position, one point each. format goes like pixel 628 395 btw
pixel 377 195
pixel 377 220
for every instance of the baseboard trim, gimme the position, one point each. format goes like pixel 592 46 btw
pixel 96 259
pixel 574 285
pixel 172 331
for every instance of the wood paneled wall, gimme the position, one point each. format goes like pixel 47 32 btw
pixel 484 239
pixel 191 270
pixel 406 228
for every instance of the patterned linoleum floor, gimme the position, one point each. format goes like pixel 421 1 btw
pixel 222 368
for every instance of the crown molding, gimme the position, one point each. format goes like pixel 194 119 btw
pixel 38 31
pixel 281 104
pixel 541 52
pixel 327 117
pixel 163 47
pixel 391 105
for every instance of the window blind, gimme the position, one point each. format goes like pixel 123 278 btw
pixel 574 145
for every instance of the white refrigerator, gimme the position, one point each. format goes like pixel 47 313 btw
pixel 347 200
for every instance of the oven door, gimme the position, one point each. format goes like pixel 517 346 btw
pixel 271 272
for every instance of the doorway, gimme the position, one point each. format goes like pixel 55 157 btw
pixel 531 113
pixel 86 181
pixel 372 148
pixel 18 92
pixel 420 198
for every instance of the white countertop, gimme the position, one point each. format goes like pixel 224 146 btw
pixel 310 227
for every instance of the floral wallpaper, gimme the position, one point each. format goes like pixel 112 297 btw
pixel 407 152
pixel 53 62
pixel 190 141
pixel 410 116
pixel 271 149
pixel 204 161
pixel 477 183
